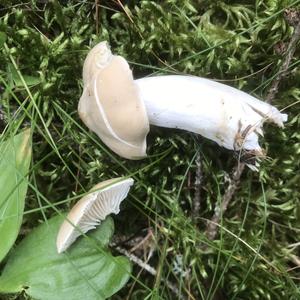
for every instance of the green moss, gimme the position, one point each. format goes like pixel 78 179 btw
pixel 234 41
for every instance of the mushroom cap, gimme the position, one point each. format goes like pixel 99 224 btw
pixel 110 104
pixel 103 199
pixel 98 57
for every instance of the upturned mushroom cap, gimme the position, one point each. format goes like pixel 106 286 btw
pixel 104 198
pixel 98 57
pixel 110 104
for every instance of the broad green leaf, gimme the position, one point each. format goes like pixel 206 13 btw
pixel 86 271
pixel 15 155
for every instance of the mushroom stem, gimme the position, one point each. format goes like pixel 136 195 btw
pixel 230 117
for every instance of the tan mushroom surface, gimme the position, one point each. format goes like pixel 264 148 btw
pixel 103 199
pixel 110 104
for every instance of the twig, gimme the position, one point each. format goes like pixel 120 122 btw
pixel 146 267
pixel 212 228
pixel 137 260
pixel 198 182
pixel 125 11
pixel 273 90
pixel 144 240
pixel 294 19
pixel 97 16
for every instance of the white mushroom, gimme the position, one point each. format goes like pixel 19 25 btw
pixel 228 116
pixel 110 105
pixel 103 199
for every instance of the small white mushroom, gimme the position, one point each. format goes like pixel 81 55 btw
pixel 103 199
pixel 110 105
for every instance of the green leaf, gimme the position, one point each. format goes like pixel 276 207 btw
pixel 15 155
pixel 86 271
